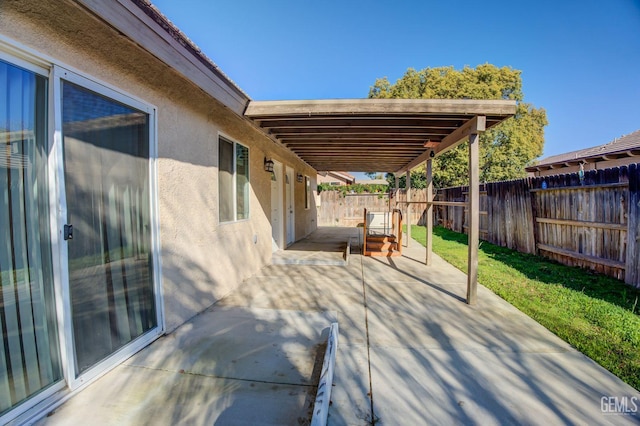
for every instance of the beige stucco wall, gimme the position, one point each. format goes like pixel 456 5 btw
pixel 202 260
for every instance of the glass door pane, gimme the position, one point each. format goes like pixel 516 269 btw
pixel 29 350
pixel 106 165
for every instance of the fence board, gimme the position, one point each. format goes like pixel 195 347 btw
pixel 633 243
pixel 598 225
pixel 583 257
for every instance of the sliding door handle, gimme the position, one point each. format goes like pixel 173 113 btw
pixel 68 232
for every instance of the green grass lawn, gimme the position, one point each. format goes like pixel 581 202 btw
pixel 596 314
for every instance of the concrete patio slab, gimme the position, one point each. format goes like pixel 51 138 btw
pixel 351 403
pixel 326 246
pixel 250 344
pixel 228 365
pixel 312 289
pixel 436 360
pixel 410 352
pixel 137 396
pixel 413 315
pixel 490 388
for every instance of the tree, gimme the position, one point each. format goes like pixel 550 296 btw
pixel 505 149
pixel 418 179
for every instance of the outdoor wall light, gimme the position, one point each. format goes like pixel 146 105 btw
pixel 268 165
pixel 299 177
pixel 432 154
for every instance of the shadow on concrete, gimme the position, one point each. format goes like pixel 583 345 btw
pixel 228 365
pixel 410 352
pixel 435 359
pixel 436 287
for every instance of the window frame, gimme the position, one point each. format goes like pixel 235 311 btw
pixel 234 179
pixel 15 57
pixel 59 74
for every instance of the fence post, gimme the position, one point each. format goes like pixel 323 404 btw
pixel 397 205
pixel 632 264
pixel 528 184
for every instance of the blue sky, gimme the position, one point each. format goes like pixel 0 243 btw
pixel 580 60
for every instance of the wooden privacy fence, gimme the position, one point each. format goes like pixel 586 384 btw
pixel 336 209
pixel 592 222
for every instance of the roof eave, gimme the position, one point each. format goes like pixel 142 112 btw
pixel 585 160
pixel 144 25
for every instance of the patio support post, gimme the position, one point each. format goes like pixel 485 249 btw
pixel 397 180
pixel 429 212
pixel 408 220
pixel 474 208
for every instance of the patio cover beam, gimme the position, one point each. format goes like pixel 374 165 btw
pixel 455 138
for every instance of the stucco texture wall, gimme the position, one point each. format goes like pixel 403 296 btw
pixel 202 260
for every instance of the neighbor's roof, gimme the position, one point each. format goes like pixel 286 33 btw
pixel 625 146
pixel 374 135
pixel 342 175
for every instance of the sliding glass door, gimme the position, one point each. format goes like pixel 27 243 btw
pixel 79 290
pixel 108 231
pixel 29 350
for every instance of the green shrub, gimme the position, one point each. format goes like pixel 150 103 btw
pixel 357 188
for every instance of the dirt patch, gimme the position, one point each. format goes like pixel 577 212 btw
pixel 318 351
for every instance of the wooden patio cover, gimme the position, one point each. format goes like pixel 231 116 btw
pixel 387 135
pixel 372 135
